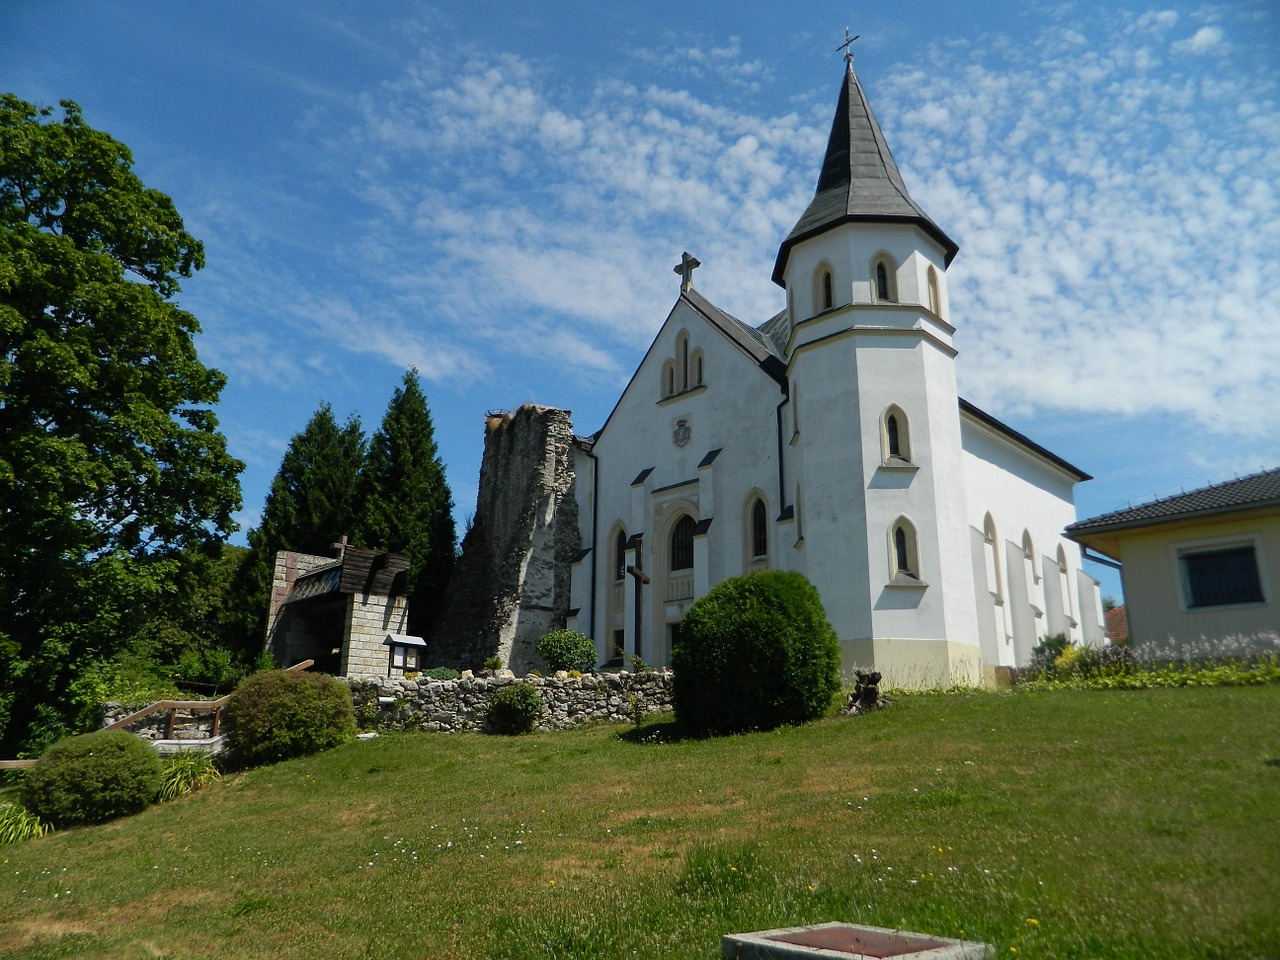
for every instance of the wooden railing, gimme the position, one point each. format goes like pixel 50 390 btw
pixel 173 706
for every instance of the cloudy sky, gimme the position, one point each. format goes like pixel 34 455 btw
pixel 495 193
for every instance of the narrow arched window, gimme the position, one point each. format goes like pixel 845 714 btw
pixel 620 556
pixel 668 379
pixel 682 544
pixel 828 294
pixel 682 362
pixel 900 550
pixel 697 368
pixel 991 553
pixel 882 282
pixel 895 437
pixel 935 294
pixel 759 531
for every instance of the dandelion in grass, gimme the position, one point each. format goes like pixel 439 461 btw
pixel 1033 921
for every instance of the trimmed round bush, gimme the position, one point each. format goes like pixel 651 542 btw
pixel 755 653
pixel 568 650
pixel 279 714
pixel 515 709
pixel 93 778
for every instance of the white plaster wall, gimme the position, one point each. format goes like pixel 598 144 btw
pixel 1023 492
pixel 850 250
pixel 734 411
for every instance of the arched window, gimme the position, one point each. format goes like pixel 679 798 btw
pixel 1064 573
pixel 682 544
pixel 904 552
pixel 682 361
pixel 895 436
pixel 935 293
pixel 883 281
pixel 668 379
pixel 759 531
pixel 1029 571
pixel 824 291
pixel 991 551
pixel 697 368
pixel 620 556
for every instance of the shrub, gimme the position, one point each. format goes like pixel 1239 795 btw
pixel 18 824
pixel 277 715
pixel 755 653
pixel 187 772
pixel 441 673
pixel 92 778
pixel 568 650
pixel 514 709
pixel 493 663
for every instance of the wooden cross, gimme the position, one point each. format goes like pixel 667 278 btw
pixel 341 547
pixel 847 46
pixel 688 263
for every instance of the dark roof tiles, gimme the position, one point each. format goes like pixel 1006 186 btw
pixel 1255 490
pixel 859 180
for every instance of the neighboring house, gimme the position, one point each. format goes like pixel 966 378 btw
pixel 830 439
pixel 346 614
pixel 1204 564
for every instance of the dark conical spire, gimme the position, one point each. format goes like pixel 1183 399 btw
pixel 859 180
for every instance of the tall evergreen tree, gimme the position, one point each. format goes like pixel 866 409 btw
pixel 406 505
pixel 312 503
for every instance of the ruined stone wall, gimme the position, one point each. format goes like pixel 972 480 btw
pixel 512 582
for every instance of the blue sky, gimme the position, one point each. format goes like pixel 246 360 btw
pixel 496 192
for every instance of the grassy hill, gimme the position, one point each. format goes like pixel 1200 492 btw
pixel 1066 824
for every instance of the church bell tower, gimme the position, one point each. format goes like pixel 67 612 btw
pixel 875 448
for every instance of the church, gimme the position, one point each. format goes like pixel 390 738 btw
pixel 831 440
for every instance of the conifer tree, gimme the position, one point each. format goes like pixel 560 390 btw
pixel 406 505
pixel 312 504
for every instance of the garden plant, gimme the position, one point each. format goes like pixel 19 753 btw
pixel 280 714
pixel 91 778
pixel 754 653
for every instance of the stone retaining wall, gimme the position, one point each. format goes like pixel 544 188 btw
pixel 454 706
pixel 188 724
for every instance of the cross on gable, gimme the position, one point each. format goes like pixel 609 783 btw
pixel 341 547
pixel 688 263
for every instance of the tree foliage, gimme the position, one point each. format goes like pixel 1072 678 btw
pixel 312 504
pixel 112 468
pixel 405 503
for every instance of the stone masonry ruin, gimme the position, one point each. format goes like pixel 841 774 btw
pixel 512 582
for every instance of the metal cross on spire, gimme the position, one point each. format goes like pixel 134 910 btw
pixel 688 263
pixel 847 46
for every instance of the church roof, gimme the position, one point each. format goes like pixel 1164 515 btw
pixel 755 343
pixel 859 180
pixel 1243 493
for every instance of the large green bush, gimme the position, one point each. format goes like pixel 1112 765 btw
pixel 756 652
pixel 278 714
pixel 568 650
pixel 514 709
pixel 92 778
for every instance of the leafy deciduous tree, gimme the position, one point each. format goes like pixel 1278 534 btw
pixel 110 456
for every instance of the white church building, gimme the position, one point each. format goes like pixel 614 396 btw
pixel 831 440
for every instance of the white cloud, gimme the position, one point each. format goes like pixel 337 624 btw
pixel 1204 40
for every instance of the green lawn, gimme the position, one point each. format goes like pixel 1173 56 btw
pixel 1065 824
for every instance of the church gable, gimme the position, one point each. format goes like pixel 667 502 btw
pixel 698 349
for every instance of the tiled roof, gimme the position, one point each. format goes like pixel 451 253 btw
pixel 1117 622
pixel 1255 490
pixel 752 341
pixel 859 180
